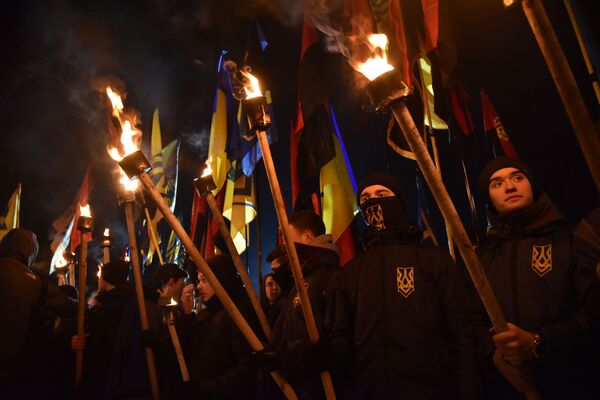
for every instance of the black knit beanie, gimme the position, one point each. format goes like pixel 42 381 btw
pixel 115 272
pixel 506 162
pixel 383 179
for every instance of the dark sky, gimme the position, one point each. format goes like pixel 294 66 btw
pixel 164 51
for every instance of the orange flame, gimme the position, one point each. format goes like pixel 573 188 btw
pixel 61 261
pixel 207 167
pixel 377 64
pixel 172 303
pixel 84 211
pixel 131 137
pixel 106 232
pixel 252 90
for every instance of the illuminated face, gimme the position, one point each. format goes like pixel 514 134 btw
pixel 510 190
pixel 272 289
pixel 205 291
pixel 374 191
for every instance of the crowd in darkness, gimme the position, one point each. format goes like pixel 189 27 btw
pixel 402 320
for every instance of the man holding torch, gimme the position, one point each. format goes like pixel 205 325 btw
pixel 545 293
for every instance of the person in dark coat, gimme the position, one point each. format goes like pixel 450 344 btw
pixel 269 298
pixel 217 355
pixel 544 293
pixel 129 377
pixel 20 291
pixel 301 361
pixel 397 322
pixel 102 327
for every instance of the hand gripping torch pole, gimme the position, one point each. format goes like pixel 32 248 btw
pixel 136 165
pixel 388 91
pixel 127 199
pixel 259 120
pixel 204 186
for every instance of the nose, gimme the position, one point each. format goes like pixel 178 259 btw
pixel 510 186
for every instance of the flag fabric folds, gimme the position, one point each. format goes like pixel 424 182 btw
pixel 10 219
pixel 491 121
pixel 239 206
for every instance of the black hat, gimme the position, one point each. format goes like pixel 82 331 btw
pixel 277 252
pixel 383 179
pixel 166 272
pixel 115 272
pixel 224 269
pixel 506 162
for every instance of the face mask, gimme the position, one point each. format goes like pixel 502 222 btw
pixel 381 213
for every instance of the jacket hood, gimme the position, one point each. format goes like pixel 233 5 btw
pixel 21 244
pixel 536 218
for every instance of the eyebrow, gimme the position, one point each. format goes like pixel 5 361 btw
pixel 500 178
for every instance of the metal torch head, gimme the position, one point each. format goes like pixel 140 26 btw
pixel 170 312
pixel 107 241
pixel 386 88
pixel 205 184
pixel 257 113
pixel 135 164
pixel 85 223
pixel 126 196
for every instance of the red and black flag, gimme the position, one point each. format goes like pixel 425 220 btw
pixel 491 121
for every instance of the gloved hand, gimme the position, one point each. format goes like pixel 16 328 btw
pixel 266 359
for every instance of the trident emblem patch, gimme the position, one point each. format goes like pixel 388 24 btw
pixel 375 217
pixel 405 276
pixel 541 259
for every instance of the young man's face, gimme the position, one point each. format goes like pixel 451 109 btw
pixel 375 191
pixel 272 289
pixel 510 190
pixel 205 291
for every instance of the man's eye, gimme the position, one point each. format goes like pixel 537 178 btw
pixel 518 178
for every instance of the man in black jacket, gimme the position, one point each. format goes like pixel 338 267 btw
pixel 542 290
pixel 302 361
pixel 397 320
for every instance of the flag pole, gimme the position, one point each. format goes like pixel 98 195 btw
pixel 153 235
pixel 204 185
pixel 584 51
pixel 84 225
pixel 564 80
pixel 258 237
pixel 136 165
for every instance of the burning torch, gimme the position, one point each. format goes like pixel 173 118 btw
pixel 61 268
pixel 257 112
pixel 130 138
pixel 205 185
pixel 388 90
pixel 137 166
pixel 170 313
pixel 106 244
pixel 85 225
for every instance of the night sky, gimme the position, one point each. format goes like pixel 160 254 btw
pixel 53 119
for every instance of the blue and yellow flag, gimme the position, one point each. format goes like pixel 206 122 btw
pixel 10 219
pixel 239 206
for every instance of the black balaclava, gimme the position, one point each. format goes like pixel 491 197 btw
pixel 381 213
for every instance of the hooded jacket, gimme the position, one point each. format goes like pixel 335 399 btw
pixel 397 322
pixel 531 266
pixel 20 290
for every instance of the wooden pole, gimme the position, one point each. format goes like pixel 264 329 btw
pixel 309 317
pixel 185 374
pixel 466 249
pixel 72 272
pixel 81 306
pixel 564 80
pixel 153 236
pixel 239 265
pixel 203 267
pixel 106 255
pixel 584 51
pixel 139 291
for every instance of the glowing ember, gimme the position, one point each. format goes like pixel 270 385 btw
pixel 207 167
pixel 172 303
pixel 131 137
pixel 377 64
pixel 253 90
pixel 84 211
pixel 106 232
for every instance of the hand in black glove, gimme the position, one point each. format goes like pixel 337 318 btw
pixel 266 359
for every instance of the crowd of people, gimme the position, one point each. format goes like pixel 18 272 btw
pixel 401 320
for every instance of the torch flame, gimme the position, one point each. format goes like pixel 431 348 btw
pixel 207 167
pixel 61 261
pixel 377 64
pixel 99 273
pixel 172 303
pixel 106 232
pixel 252 90
pixel 130 137
pixel 84 211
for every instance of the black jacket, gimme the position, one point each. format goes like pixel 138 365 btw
pixel 300 360
pixel 217 355
pixel 103 326
pixel 397 322
pixel 531 266
pixel 20 291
